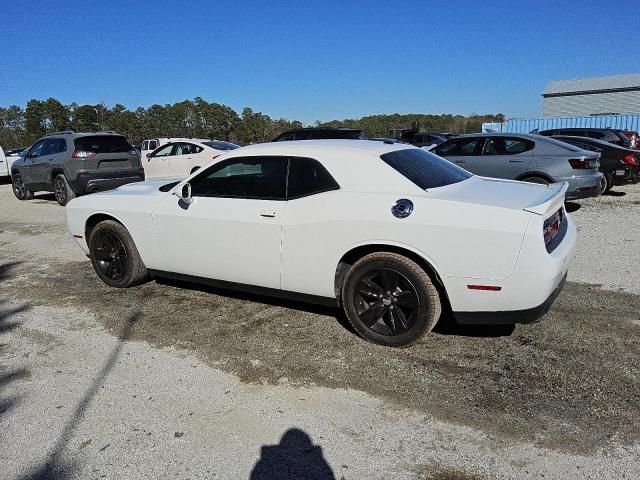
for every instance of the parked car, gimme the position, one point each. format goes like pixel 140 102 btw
pixel 391 232
pixel 428 140
pixel 148 146
pixel 530 158
pixel 182 156
pixel 619 165
pixel 70 164
pixel 610 135
pixel 633 138
pixel 321 134
pixel 6 160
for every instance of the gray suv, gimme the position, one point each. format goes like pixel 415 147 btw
pixel 70 164
pixel 531 158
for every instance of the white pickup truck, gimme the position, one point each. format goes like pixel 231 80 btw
pixel 7 159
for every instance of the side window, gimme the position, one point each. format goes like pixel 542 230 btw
pixel 62 145
pixel 153 144
pixel 593 134
pixel 164 151
pixel 36 150
pixel 285 137
pixel 243 177
pixel 306 177
pixel 51 146
pixel 145 145
pixel 462 147
pixel 506 146
pixel 182 149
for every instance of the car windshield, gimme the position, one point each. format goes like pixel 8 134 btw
pixel 103 144
pixel 218 145
pixel 425 169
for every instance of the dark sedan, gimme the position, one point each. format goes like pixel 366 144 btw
pixel 618 164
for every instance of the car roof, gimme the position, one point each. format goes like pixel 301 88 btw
pixel 274 148
pixel 530 136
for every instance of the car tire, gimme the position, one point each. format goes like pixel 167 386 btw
pixel 538 180
pixel 114 255
pixel 62 190
pixel 390 300
pixel 608 183
pixel 19 188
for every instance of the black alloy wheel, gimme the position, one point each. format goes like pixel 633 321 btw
pixel 110 255
pixel 389 299
pixel 386 302
pixel 60 190
pixel 19 188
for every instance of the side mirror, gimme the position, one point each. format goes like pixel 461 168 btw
pixel 184 193
pixel 148 156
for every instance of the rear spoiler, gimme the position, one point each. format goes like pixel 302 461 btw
pixel 550 201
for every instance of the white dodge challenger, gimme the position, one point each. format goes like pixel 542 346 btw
pixel 392 233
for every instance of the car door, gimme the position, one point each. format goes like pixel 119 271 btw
pixel 156 165
pixel 31 161
pixel 232 229
pixel 183 159
pixel 51 155
pixel 461 151
pixel 504 157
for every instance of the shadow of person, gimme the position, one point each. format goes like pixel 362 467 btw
pixel 295 457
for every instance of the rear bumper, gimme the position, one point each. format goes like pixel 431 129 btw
pixel 87 182
pixel 528 315
pixel 582 187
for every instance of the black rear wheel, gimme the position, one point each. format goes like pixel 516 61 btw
pixel 114 256
pixel 62 190
pixel 20 189
pixel 390 300
pixel 539 180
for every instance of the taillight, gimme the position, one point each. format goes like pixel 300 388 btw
pixel 630 160
pixel 580 163
pixel 133 151
pixel 551 227
pixel 83 154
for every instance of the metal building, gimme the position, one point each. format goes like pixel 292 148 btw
pixel 618 94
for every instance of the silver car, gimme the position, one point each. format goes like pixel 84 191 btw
pixel 531 158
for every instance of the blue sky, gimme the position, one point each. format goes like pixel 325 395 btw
pixel 313 60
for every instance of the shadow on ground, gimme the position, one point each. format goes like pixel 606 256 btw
pixel 615 193
pixel 8 324
pixel 295 457
pixel 56 467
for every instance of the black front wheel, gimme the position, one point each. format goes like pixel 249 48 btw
pixel 20 189
pixel 390 300
pixel 114 256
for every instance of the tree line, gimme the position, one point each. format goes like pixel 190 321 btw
pixel 196 118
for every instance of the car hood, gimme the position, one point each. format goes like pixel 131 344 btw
pixel 501 193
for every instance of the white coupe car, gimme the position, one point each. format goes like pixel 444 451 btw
pixel 389 231
pixel 182 156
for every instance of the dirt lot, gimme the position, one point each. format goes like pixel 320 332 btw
pixel 558 399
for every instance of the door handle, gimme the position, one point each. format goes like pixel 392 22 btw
pixel 516 161
pixel 461 161
pixel 267 213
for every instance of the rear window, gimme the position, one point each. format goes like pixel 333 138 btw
pixel 218 145
pixel 425 169
pixel 103 144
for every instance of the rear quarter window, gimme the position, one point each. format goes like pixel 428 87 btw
pixel 425 169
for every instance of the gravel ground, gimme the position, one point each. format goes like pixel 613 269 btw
pixel 175 380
